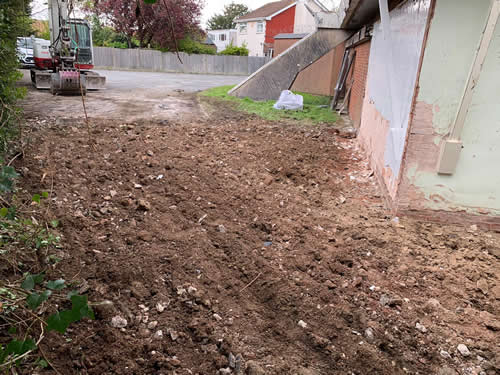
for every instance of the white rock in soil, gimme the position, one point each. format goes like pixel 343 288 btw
pixel 153 324
pixel 173 335
pixel 445 354
pixel 160 307
pixel 369 334
pixel 232 360
pixel 421 328
pixel 464 350
pixel 118 322
pixel 158 335
pixel 302 324
pixel 217 317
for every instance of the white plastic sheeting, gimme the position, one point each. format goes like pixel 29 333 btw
pixel 289 100
pixel 392 71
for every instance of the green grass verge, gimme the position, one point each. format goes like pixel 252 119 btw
pixel 312 113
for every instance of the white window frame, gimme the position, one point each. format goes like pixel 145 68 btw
pixel 243 27
pixel 261 25
pixel 222 37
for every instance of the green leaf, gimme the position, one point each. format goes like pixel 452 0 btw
pixel 54 223
pixel 60 321
pixel 28 283
pixel 9 172
pixel 3 354
pixel 39 278
pixel 80 304
pixel 35 299
pixel 4 211
pixel 12 330
pixel 31 280
pixel 56 284
pixel 45 194
pixel 149 1
pixel 72 293
pixel 36 198
pixel 17 347
pixel 42 363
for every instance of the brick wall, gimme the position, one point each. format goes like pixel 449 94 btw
pixel 359 71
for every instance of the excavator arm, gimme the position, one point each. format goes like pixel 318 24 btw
pixel 71 55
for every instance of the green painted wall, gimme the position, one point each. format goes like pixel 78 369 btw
pixel 453 40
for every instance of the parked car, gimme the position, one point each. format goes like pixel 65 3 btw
pixel 25 52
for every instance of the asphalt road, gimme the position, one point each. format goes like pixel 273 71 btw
pixel 127 80
pixel 130 96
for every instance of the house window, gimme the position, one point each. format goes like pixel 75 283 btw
pixel 260 27
pixel 222 37
pixel 243 28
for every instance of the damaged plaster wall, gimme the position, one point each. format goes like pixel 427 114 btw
pixel 392 73
pixel 449 55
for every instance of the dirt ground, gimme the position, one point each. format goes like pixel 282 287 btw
pixel 234 245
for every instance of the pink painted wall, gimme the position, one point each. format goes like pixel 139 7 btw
pixel 372 137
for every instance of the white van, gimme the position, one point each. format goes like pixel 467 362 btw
pixel 25 52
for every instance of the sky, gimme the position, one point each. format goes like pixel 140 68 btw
pixel 217 6
pixel 211 8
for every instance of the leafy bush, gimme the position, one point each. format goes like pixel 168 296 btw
pixel 41 29
pixel 14 22
pixel 235 50
pixel 190 46
pixel 32 300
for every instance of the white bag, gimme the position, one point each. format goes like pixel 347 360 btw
pixel 288 100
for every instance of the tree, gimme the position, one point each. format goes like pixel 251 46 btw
pixel 163 22
pixel 226 19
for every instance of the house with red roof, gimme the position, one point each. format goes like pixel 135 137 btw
pixel 258 28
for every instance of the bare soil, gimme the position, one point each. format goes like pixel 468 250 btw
pixel 255 247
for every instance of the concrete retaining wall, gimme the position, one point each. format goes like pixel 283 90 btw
pixel 268 82
pixel 156 61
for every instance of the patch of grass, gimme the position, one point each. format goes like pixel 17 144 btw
pixel 311 113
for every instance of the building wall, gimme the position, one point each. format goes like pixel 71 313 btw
pixel 320 77
pixel 359 74
pixel 317 78
pixel 281 45
pixel 252 39
pixel 282 23
pixel 230 36
pixel 392 73
pixel 304 20
pixel 475 186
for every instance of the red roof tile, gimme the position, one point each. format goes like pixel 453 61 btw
pixel 266 10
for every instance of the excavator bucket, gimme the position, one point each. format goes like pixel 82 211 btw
pixel 67 82
pixel 94 81
pixel 41 78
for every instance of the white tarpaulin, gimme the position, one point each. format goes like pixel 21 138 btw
pixel 289 100
pixel 392 71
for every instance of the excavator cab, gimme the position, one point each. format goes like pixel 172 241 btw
pixel 67 69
